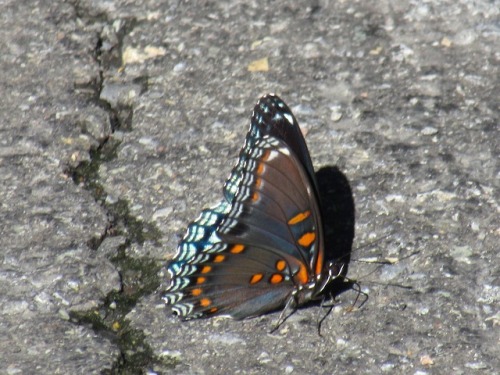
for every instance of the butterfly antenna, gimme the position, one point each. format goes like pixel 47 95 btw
pixel 347 256
pixel 376 240
pixel 407 287
pixel 387 262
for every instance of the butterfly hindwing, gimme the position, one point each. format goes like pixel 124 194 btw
pixel 236 275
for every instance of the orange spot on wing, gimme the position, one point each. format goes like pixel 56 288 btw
pixel 206 269
pixel 196 292
pixel 219 258
pixel 307 239
pixel 276 278
pixel 204 302
pixel 255 196
pixel 201 280
pixel 265 155
pixel 258 183
pixel 256 278
pixel 299 217
pixel 213 310
pixel 280 265
pixel 260 169
pixel 302 276
pixel 319 262
pixel 237 249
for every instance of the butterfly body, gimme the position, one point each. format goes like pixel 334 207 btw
pixel 262 247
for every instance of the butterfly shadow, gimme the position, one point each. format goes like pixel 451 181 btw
pixel 338 213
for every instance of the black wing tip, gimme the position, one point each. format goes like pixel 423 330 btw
pixel 272 115
pixel 270 104
pixel 270 98
pixel 268 95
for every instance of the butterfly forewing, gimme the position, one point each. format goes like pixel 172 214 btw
pixel 273 117
pixel 268 199
pixel 249 254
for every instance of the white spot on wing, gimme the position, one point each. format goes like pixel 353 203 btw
pixel 284 151
pixel 289 118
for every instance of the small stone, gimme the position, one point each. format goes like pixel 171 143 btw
pixel 429 130
pixel 264 358
pixel 138 56
pixel 387 367
pixel 426 360
pixel 179 67
pixel 476 365
pixel 261 65
pixel 445 42
pixel 341 343
pixel 395 198
pixel 422 310
pixel 63 314
pixel 336 114
pixel 461 253
pixel 162 212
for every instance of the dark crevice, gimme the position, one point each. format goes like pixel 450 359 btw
pixel 139 277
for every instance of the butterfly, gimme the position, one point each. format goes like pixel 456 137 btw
pixel 262 247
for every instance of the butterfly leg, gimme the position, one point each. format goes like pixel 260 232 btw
pixel 330 308
pixel 288 311
pixel 356 287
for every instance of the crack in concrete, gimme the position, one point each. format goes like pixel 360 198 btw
pixel 138 276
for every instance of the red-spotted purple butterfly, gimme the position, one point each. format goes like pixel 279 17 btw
pixel 262 247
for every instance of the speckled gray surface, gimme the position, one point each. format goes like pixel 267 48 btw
pixel 401 96
pixel 47 270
